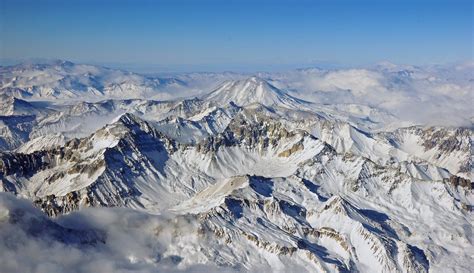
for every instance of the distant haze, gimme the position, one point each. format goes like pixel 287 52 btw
pixel 236 35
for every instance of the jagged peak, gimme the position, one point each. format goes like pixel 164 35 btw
pixel 128 118
pixel 121 126
pixel 11 105
pixel 339 205
pixel 129 123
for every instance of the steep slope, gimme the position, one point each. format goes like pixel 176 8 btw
pixel 392 197
pixel 15 130
pixel 282 216
pixel 12 106
pixel 199 126
pixel 45 142
pixel 131 163
pixel 111 167
pixel 278 196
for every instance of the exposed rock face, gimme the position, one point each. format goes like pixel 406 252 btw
pixel 295 148
pixel 262 133
pixel 459 181
pixel 450 148
pixel 21 164
pixel 54 206
pixel 83 161
pixel 445 140
pixel 272 208
pixel 39 226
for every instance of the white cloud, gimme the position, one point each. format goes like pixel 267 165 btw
pixel 427 96
pixel 93 240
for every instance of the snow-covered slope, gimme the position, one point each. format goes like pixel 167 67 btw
pixel 256 185
pixel 246 178
pixel 253 90
pixel 450 148
pixel 15 130
pixel 42 143
pixel 12 106
pixel 65 80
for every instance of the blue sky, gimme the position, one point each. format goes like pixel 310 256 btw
pixel 227 35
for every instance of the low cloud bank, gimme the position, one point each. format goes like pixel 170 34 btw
pixel 93 240
pixel 436 95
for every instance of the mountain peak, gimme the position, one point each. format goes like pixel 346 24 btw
pixel 252 90
pixel 128 120
pixel 11 105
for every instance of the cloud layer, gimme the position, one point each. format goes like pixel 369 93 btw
pixel 437 95
pixel 92 240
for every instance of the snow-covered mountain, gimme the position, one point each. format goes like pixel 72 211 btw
pixel 12 106
pixel 65 80
pixel 253 90
pixel 247 177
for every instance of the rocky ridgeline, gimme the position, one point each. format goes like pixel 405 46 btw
pixel 263 133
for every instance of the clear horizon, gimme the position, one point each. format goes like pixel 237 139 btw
pixel 236 35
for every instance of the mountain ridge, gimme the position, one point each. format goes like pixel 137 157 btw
pixel 246 177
